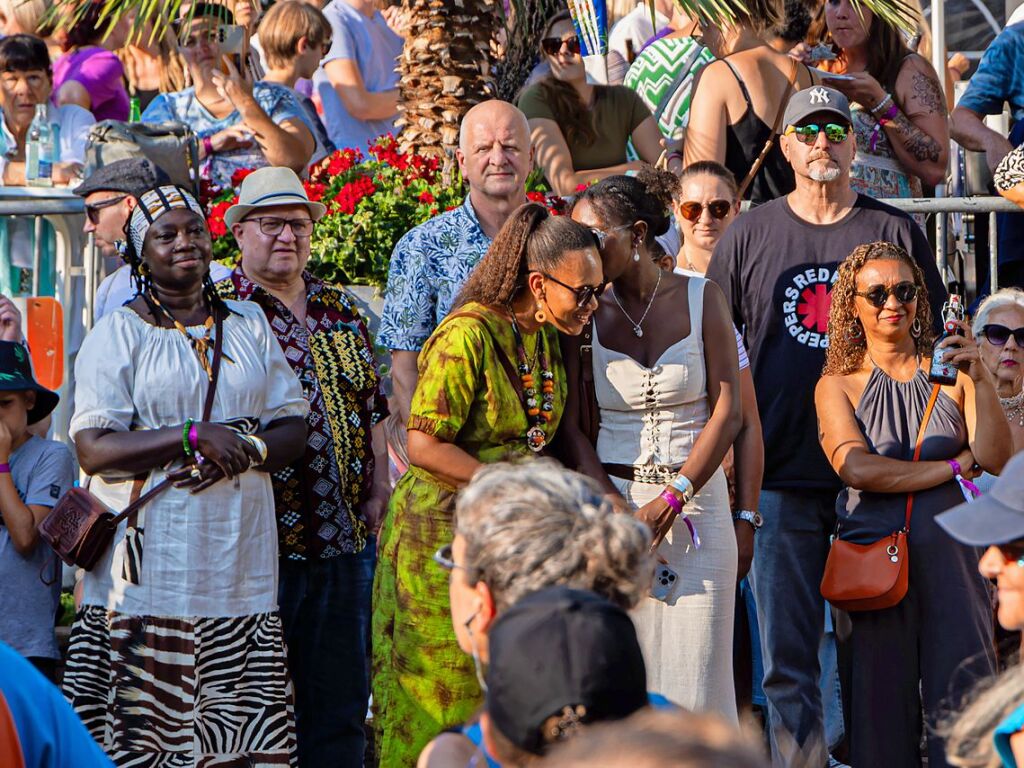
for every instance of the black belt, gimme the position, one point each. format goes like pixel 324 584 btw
pixel 645 473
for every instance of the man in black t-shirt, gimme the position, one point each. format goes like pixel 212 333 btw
pixel 777 265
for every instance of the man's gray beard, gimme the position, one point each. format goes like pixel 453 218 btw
pixel 826 175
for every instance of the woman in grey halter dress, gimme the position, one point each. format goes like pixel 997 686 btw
pixel 921 655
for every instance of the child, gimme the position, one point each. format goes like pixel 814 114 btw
pixel 34 474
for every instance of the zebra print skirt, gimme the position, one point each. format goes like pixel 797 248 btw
pixel 158 691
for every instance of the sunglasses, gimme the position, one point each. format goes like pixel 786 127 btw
pixel 602 235
pixel 692 210
pixel 445 558
pixel 1013 551
pixel 877 295
pixel 583 294
pixel 552 45
pixel 808 134
pixel 92 210
pixel 1000 334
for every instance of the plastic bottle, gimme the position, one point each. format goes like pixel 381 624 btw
pixel 135 112
pixel 39 151
pixel 940 371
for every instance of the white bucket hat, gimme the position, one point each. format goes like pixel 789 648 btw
pixel 268 187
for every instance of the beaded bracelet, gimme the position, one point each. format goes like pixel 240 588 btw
pixel 880 106
pixel 186 432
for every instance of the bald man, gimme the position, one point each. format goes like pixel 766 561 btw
pixel 430 264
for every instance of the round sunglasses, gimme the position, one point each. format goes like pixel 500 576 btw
pixel 836 133
pixel 998 335
pixel 582 294
pixel 877 295
pixel 691 210
pixel 552 45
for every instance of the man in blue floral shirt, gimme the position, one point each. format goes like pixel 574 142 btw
pixel 432 261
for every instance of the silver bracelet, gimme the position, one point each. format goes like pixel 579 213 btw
pixel 881 106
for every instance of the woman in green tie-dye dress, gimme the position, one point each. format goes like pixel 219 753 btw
pixel 471 406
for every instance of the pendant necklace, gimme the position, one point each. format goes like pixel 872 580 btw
pixel 636 325
pixel 1013 407
pixel 539 412
pixel 200 344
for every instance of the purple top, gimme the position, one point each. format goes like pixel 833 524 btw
pixel 102 75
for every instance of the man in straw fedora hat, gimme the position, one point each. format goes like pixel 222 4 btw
pixel 330 501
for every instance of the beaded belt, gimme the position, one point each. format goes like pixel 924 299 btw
pixel 645 473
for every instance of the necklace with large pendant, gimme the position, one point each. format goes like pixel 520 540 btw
pixel 636 324
pixel 1013 407
pixel 539 411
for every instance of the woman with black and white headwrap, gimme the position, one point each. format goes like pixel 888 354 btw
pixel 177 651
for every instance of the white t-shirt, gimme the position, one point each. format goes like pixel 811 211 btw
pixel 116 290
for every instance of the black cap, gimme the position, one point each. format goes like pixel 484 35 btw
pixel 561 648
pixel 132 176
pixel 16 376
pixel 996 517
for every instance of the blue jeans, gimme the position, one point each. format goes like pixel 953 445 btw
pixel 325 609
pixel 789 559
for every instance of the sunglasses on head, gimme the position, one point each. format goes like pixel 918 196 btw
pixel 1000 334
pixel 877 295
pixel 692 210
pixel 583 293
pixel 836 133
pixel 552 45
pixel 92 210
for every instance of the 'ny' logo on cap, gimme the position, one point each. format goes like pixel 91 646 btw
pixel 820 96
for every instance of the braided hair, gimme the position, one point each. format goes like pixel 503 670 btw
pixel 142 280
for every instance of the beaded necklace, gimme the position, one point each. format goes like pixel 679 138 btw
pixel 200 344
pixel 538 413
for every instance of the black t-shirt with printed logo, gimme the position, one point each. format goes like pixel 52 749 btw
pixel 777 272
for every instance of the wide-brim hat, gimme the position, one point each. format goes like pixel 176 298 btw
pixel 268 187
pixel 996 517
pixel 16 376
pixel 814 101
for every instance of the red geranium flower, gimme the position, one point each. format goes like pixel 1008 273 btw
pixel 238 176
pixel 426 197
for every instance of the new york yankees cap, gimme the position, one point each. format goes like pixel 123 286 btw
pixel 814 101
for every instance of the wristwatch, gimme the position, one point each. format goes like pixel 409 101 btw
pixel 749 516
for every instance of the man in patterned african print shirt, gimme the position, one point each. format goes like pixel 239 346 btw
pixel 329 503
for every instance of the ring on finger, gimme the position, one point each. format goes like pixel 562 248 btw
pixel 195 472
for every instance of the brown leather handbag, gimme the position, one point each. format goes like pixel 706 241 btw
pixel 80 527
pixel 870 577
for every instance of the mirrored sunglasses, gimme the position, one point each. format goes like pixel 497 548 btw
pixel 999 334
pixel 691 210
pixel 877 295
pixel 552 45
pixel 836 133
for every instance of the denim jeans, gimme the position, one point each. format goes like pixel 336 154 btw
pixel 325 609
pixel 789 559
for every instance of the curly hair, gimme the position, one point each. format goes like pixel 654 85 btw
pixel 531 240
pixel 846 349
pixel 646 197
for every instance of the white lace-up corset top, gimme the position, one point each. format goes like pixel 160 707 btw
pixel 653 415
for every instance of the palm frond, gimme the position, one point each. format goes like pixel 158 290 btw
pixel 896 13
pixel 155 14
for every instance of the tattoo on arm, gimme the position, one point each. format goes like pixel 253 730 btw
pixel 918 143
pixel 928 93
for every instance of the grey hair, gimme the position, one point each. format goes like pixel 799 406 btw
pixel 969 734
pixel 533 525
pixel 1001 299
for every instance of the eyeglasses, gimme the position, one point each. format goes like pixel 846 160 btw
pixel 1000 334
pixel 92 210
pixel 444 558
pixel 877 295
pixel 552 45
pixel 692 210
pixel 808 134
pixel 271 226
pixel 603 234
pixel 583 294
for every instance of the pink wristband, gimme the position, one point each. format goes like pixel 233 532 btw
pixel 5 469
pixel 670 499
pixel 193 438
pixel 207 146
pixel 969 490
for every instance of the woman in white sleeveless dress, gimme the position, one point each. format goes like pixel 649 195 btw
pixel 666 382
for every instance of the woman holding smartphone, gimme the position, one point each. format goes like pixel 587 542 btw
pixel 240 124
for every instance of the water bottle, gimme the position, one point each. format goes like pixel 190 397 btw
pixel 39 151
pixel 135 112
pixel 942 372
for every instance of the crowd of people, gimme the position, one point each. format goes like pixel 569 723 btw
pixel 637 471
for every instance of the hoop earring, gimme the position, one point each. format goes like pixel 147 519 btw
pixel 855 332
pixel 915 328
